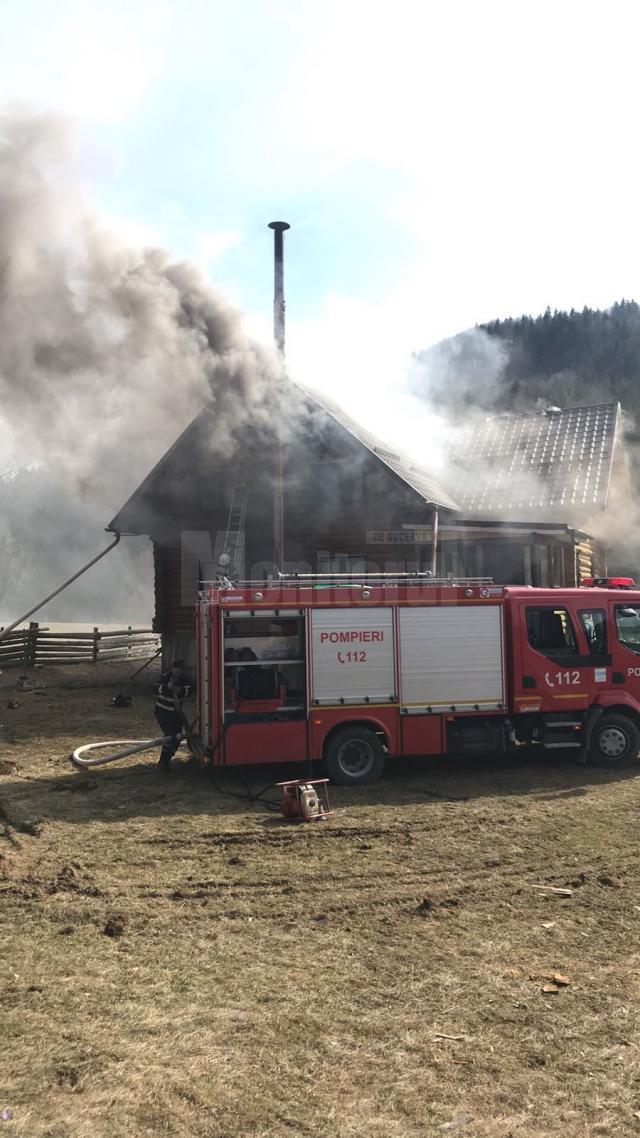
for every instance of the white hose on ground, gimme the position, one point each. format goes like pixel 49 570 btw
pixel 133 746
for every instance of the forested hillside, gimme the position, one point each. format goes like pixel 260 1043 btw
pixel 519 364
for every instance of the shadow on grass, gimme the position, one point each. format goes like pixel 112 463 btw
pixel 138 790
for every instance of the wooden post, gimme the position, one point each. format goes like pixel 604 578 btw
pixel 31 644
pixel 96 645
pixel 434 543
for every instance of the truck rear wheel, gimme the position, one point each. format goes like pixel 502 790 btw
pixel 615 741
pixel 355 756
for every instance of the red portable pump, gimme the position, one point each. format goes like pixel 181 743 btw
pixel 351 672
pixel 303 802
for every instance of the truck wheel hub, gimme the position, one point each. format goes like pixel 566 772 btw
pixel 356 757
pixel 612 742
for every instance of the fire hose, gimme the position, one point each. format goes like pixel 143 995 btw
pixel 133 746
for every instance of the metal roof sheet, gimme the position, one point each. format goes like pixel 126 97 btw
pixel 557 459
pixel 415 476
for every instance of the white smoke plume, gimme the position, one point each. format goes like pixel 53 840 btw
pixel 415 403
pixel 106 353
pixel 430 405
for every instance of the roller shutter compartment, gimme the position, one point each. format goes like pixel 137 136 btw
pixel 451 658
pixel 352 655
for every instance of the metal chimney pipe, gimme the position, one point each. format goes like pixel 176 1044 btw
pixel 279 228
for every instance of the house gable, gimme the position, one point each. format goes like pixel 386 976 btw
pixel 173 491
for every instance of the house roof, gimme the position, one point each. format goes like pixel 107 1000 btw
pixel 135 516
pixel 553 460
pixel 414 475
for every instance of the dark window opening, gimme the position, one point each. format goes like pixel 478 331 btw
pixel 503 562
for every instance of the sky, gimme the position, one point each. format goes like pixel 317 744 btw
pixel 441 164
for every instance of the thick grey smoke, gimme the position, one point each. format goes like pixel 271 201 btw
pixel 464 379
pixel 462 375
pixel 106 353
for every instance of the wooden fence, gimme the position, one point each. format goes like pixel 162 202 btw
pixel 35 645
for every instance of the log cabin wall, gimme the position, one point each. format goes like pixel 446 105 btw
pixel 336 511
pixel 331 508
pixel 555 557
pixel 315 546
pixel 552 562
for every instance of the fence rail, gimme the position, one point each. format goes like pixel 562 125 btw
pixel 35 645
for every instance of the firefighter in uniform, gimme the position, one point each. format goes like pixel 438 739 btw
pixel 172 690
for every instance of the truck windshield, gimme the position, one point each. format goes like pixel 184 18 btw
pixel 628 626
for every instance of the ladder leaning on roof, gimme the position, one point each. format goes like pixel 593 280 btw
pixel 234 534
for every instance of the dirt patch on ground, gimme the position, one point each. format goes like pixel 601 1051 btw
pixel 454 951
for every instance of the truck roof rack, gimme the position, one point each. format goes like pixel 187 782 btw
pixel 325 580
pixel 424 578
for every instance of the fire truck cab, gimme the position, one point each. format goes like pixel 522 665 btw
pixel 354 671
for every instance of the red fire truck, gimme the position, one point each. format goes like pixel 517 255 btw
pixel 354 671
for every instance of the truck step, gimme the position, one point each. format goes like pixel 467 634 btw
pixel 557 746
pixel 553 723
pixel 558 736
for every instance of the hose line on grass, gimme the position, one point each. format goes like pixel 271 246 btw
pixel 132 747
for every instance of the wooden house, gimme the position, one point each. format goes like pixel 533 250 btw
pixel 330 497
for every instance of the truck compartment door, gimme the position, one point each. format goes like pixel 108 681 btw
pixel 451 659
pixel 352 656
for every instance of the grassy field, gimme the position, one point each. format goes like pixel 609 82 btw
pixel 176 961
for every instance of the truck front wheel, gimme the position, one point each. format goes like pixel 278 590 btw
pixel 615 741
pixel 355 756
